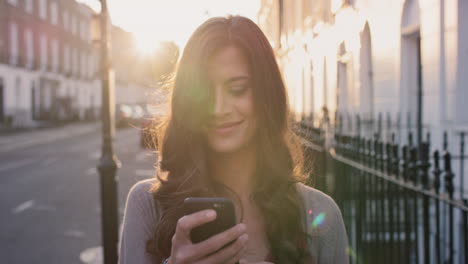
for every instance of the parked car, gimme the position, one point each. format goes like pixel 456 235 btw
pixel 137 114
pixel 123 115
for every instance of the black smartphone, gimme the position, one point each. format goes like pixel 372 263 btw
pixel 225 216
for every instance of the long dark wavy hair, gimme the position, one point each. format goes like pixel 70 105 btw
pixel 183 149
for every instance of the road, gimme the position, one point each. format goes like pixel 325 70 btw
pixel 49 194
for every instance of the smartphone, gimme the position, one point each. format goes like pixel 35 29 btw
pixel 225 216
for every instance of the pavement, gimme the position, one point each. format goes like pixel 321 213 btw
pixel 24 139
pixel 50 195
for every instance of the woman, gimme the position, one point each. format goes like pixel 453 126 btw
pixel 228 135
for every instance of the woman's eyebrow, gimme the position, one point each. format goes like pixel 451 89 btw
pixel 237 78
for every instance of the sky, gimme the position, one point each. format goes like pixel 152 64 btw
pixel 152 21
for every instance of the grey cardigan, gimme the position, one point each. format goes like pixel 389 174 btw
pixel 322 218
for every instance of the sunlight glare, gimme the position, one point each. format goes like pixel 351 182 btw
pixel 147 44
pixel 153 21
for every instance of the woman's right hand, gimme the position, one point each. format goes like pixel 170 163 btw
pixel 208 251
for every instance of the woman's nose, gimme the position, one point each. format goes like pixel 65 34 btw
pixel 221 104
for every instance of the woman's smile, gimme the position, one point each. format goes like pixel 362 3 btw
pixel 227 128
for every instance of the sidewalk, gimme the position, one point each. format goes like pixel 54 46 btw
pixel 20 140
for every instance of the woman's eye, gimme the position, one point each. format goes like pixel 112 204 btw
pixel 238 90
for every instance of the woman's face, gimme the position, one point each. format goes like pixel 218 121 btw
pixel 232 123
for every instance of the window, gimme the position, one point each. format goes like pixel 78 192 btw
pixel 55 57
pixel 28 37
pixel 28 6
pixel 84 30
pixel 73 24
pixel 92 66
pixel 75 61
pixel 43 9
pixel 78 27
pixel 53 13
pixel 43 49
pixel 84 59
pixel 18 93
pixel 88 66
pixel 14 43
pixel 66 58
pixel 66 20
pixel 34 109
pixel 2 111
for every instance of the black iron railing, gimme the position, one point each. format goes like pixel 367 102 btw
pixel 400 203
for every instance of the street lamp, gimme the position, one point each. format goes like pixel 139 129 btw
pixel 108 164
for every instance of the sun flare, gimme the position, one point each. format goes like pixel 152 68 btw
pixel 147 45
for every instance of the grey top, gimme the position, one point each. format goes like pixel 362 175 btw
pixel 323 220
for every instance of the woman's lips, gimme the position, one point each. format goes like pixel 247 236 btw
pixel 226 128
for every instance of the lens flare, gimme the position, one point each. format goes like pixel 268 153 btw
pixel 318 220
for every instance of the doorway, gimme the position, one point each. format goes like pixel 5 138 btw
pixel 2 112
pixel 411 103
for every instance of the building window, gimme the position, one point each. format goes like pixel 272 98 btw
pixel 13 44
pixel 28 37
pixel 92 66
pixel 43 48
pixel 34 109
pixel 73 24
pixel 84 30
pixel 66 20
pixel 75 61
pixel 2 112
pixel 90 69
pixel 43 9
pixel 13 2
pixel 84 61
pixel 53 13
pixel 66 58
pixel 18 93
pixel 28 6
pixel 55 57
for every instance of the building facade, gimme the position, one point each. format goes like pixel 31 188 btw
pixel 132 84
pixel 48 64
pixel 404 59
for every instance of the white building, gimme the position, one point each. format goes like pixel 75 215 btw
pixel 371 56
pixel 48 63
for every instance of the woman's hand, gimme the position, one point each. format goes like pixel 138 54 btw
pixel 208 251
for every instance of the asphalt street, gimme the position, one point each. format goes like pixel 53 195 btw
pixel 49 193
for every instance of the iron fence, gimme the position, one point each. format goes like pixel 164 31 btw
pixel 399 202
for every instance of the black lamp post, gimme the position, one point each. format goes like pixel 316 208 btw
pixel 108 164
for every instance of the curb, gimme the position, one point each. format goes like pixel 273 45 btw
pixel 43 136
